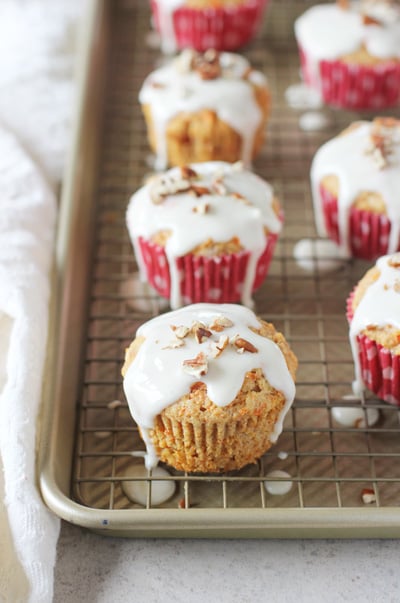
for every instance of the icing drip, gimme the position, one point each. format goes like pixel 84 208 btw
pixel 179 88
pixel 156 378
pixel 380 306
pixel 349 157
pixel 330 32
pixel 193 219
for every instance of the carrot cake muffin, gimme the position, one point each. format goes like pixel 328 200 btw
pixel 355 181
pixel 204 233
pixel 208 386
pixel 350 52
pixel 205 107
pixel 202 24
pixel 373 311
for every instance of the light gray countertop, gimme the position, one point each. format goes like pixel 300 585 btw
pixel 92 568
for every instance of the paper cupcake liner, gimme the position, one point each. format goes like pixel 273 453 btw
pixel 350 86
pixel 212 446
pixel 368 232
pixel 205 279
pixel 380 369
pixel 218 28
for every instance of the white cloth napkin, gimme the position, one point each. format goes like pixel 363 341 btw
pixel 36 97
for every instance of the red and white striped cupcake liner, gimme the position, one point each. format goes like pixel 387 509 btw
pixel 380 368
pixel 220 28
pixel 351 86
pixel 368 232
pixel 218 279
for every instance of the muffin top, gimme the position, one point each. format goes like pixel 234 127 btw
pixel 376 302
pixel 221 82
pixel 214 344
pixel 203 206
pixel 364 159
pixel 341 29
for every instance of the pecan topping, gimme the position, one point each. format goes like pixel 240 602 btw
pixel 199 191
pixel 202 208
pixel 368 496
pixel 175 343
pixel 217 347
pixel 219 187
pixel 207 65
pixel 201 334
pixel 394 261
pixel 220 323
pixel 188 173
pixel 181 331
pixel 166 185
pixel 244 346
pixel 368 20
pixel 197 367
pixel 382 138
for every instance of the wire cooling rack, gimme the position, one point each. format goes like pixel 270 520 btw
pixel 329 464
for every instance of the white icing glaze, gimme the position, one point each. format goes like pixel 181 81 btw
pixel 228 217
pixel 136 491
pixel 301 96
pixel 156 379
pixel 279 487
pixel 330 32
pixel 179 89
pixel 312 121
pixel 352 416
pixel 379 306
pixel 346 157
pixel 321 254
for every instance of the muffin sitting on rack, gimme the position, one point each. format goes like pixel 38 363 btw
pixel 350 52
pixel 204 232
pixel 205 107
pixel 209 386
pixel 356 188
pixel 373 311
pixel 201 24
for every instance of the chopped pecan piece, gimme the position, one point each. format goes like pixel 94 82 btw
pixel 368 496
pixel 368 20
pixel 217 347
pixel 201 334
pixel 394 261
pixel 175 343
pixel 202 208
pixel 220 323
pixel 164 186
pixel 197 367
pixel 207 65
pixel 181 331
pixel 246 346
pixel 188 173
pixel 199 190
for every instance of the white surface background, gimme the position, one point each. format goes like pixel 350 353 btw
pixel 99 569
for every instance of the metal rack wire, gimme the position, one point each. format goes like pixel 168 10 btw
pixel 329 464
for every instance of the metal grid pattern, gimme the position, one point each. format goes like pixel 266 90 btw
pixel 328 463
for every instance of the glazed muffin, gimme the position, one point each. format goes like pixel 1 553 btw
pixel 355 181
pixel 209 386
pixel 373 311
pixel 202 24
pixel 204 233
pixel 350 52
pixel 205 107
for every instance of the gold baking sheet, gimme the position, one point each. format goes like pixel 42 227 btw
pixel 87 440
